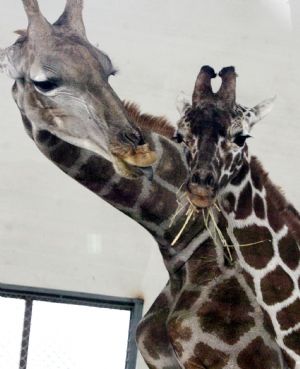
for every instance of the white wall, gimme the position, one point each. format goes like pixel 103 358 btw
pixel 56 234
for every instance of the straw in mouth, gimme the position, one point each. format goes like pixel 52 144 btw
pixel 210 223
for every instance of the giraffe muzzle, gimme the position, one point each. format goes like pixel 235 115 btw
pixel 201 201
pixel 140 156
pixel 200 196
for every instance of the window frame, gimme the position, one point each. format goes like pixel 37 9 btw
pixel 30 294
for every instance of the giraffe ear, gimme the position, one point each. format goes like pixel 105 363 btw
pixel 9 61
pixel 261 110
pixel 182 102
pixel 5 65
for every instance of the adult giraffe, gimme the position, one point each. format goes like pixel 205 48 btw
pixel 76 120
pixel 215 129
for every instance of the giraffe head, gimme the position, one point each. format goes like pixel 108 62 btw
pixel 214 130
pixel 61 85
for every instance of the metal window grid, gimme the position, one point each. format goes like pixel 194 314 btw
pixel 30 294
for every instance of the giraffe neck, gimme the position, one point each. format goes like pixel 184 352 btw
pixel 265 230
pixel 150 203
pixel 208 316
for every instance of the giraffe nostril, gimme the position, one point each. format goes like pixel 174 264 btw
pixel 209 180
pixel 196 178
pixel 203 178
pixel 133 138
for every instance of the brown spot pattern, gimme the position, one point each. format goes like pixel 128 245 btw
pixel 289 251
pixel 124 193
pixel 244 207
pixel 259 207
pixel 276 286
pixel 259 254
pixel 274 217
pixel 159 205
pixel 292 341
pixel 206 358
pixel 255 175
pixel 46 138
pixel 240 176
pixel 168 167
pixel 187 299
pixel 229 202
pixel 160 303
pixel 227 315
pixel 257 353
pixel 223 181
pixel 290 315
pixel 95 173
pixel 290 362
pixel 177 333
pixel 154 332
pixel 177 280
pixel 202 266
pixel 65 154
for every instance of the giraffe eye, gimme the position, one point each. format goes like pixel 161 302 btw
pixel 240 140
pixel 46 86
pixel 178 137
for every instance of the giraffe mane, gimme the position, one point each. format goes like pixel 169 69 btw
pixel 148 122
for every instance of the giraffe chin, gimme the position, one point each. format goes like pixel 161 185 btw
pixel 201 202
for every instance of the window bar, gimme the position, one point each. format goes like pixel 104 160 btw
pixel 135 317
pixel 26 333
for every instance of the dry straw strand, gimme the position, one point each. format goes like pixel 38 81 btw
pixel 188 218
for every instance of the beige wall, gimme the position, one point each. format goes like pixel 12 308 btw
pixel 56 234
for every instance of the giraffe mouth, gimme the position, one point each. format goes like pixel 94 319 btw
pixel 202 198
pixel 131 171
pixel 201 202
pixel 142 156
pixel 134 162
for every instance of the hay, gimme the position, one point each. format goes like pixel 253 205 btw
pixel 209 220
pixel 210 216
pixel 189 215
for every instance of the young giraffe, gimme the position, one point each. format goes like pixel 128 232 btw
pixel 78 122
pixel 214 129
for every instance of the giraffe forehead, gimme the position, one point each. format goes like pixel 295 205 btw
pixel 224 122
pixel 64 54
pixel 208 122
